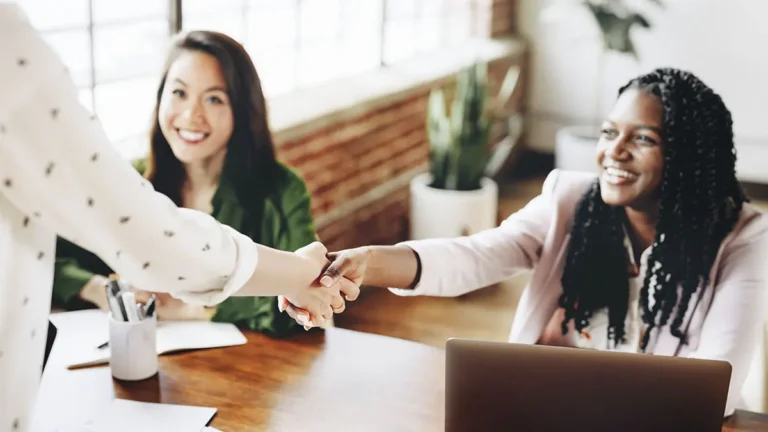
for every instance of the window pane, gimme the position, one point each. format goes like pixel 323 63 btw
pixel 277 71
pixel 318 63
pixel 361 35
pixel 361 18
pixel 432 8
pixel 85 97
pixel 129 50
pixel 111 10
pixel 198 6
pixel 460 28
pixel 359 55
pixel 228 21
pixel 319 21
pixel 74 49
pixel 432 25
pixel 429 33
pixel 271 23
pixel 56 14
pixel 125 107
pixel 398 40
pixel 457 7
pixel 401 9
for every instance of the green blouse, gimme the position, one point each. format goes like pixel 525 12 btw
pixel 286 224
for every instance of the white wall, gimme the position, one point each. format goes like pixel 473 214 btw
pixel 724 42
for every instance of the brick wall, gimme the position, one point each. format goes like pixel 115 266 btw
pixel 503 17
pixel 349 159
pixel 360 160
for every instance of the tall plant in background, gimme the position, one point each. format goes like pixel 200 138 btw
pixel 459 140
pixel 458 196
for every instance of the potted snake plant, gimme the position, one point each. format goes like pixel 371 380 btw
pixel 458 196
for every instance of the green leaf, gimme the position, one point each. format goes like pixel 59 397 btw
pixel 470 167
pixel 639 20
pixel 615 25
pixel 439 168
pixel 509 85
pixel 438 123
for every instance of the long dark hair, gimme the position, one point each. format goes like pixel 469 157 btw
pixel 700 202
pixel 250 163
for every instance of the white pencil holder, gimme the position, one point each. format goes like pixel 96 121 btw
pixel 133 348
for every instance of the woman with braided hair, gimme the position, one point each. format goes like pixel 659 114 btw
pixel 677 210
pixel 659 253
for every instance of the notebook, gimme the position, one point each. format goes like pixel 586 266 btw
pixel 93 330
pixel 130 416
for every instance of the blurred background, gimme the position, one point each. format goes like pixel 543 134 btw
pixel 349 81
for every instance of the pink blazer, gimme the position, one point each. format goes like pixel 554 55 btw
pixel 726 320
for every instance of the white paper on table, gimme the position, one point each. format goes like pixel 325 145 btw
pixel 90 427
pixel 131 416
pixel 93 330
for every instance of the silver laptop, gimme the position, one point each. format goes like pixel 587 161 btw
pixel 496 386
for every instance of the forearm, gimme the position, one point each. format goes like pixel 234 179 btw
pixel 391 267
pixel 278 273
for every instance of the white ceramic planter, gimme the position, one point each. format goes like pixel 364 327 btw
pixel 575 149
pixel 437 213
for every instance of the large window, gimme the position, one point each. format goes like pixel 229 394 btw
pixel 115 49
pixel 297 43
pixel 413 26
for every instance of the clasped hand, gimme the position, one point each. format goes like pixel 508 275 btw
pixel 339 279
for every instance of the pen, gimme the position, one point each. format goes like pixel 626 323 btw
pixel 124 286
pixel 150 307
pixel 111 302
pixel 129 304
pixel 115 287
pixel 116 304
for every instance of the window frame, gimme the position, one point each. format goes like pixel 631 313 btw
pixel 91 82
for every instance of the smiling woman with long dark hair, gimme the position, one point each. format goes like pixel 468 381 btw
pixel 660 253
pixel 210 150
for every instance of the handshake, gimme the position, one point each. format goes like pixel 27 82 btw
pixel 335 278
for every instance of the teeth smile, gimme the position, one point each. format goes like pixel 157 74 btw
pixel 620 173
pixel 191 136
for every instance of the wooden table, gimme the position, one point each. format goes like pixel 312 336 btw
pixel 339 380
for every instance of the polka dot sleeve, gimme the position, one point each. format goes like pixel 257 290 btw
pixel 59 169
